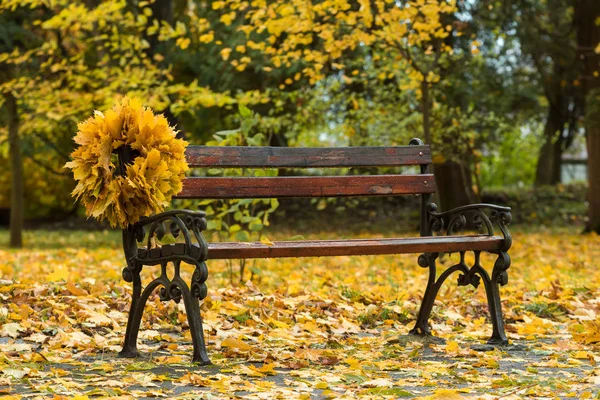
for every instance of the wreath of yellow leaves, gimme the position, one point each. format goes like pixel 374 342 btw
pixel 149 180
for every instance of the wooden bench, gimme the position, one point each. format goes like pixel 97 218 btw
pixel 195 250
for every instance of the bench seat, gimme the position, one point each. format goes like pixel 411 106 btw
pixel 319 248
pixel 353 247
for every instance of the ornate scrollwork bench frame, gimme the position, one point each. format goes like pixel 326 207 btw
pixel 450 223
pixel 193 250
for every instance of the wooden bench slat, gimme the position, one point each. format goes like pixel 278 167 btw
pixel 302 157
pixel 306 186
pixel 318 248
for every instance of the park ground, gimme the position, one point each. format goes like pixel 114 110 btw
pixel 300 328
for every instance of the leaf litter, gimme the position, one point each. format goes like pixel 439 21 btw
pixel 315 327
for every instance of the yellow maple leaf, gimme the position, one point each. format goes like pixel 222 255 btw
pixel 268 369
pixel 237 344
pixel 446 394
pixel 225 53
pixel 75 291
pixel 60 273
pixel 452 347
pixel 267 242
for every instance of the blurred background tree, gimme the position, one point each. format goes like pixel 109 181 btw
pixel 498 88
pixel 587 17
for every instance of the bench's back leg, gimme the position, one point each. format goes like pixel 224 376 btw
pixel 192 308
pixel 492 290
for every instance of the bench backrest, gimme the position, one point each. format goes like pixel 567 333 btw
pixel 307 186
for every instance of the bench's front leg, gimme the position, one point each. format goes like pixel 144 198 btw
pixel 172 289
pixel 139 299
pixel 132 274
pixel 190 225
pixel 433 287
pixel 454 221
pixel 422 325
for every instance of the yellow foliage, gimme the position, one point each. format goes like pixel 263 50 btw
pixel 183 43
pixel 225 53
pixel 294 25
pixel 588 332
pixel 236 344
pixel 147 184
pixel 60 273
pixel 446 394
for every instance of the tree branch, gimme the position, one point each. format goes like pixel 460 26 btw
pixel 46 166
pixel 54 147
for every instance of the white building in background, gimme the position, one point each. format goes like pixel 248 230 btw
pixel 574 163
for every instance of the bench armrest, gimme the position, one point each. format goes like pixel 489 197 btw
pixel 187 223
pixel 474 216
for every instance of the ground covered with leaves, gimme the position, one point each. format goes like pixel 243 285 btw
pixel 301 328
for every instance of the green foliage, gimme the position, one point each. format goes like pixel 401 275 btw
pixel 518 146
pixel 241 220
pixel 545 309
pixel 52 239
pixel 373 316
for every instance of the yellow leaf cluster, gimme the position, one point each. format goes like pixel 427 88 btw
pixel 321 33
pixel 149 180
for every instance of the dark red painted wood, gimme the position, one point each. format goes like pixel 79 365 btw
pixel 306 186
pixel 318 248
pixel 306 157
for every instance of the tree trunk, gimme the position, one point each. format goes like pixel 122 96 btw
pixel 426 110
pixel 16 167
pixel 454 184
pixel 593 146
pixel 453 178
pixel 550 159
pixel 162 11
pixel 588 36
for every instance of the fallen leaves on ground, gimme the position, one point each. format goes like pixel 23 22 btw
pixel 328 327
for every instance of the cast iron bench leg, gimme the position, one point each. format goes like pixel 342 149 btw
pixel 138 302
pixel 469 276
pixel 173 289
pixel 192 308
pixel 422 326
pixel 492 288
